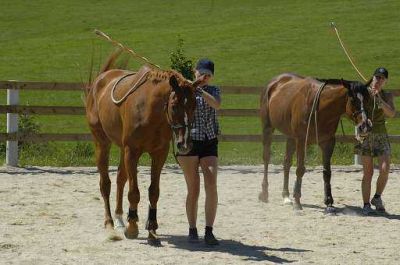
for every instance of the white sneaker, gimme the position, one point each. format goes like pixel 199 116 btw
pixel 378 203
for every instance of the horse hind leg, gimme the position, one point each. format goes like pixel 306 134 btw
pixel 131 158
pixel 287 163
pixel 121 181
pixel 299 174
pixel 103 146
pixel 267 139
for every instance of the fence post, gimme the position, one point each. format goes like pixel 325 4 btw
pixel 357 158
pixel 12 127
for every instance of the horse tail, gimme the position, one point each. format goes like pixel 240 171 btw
pixel 109 64
pixel 264 102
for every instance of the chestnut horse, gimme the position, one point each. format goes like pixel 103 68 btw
pixel 139 112
pixel 286 104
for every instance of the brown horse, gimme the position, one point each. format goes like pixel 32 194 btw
pixel 286 104
pixel 139 112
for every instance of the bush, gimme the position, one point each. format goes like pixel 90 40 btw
pixel 180 62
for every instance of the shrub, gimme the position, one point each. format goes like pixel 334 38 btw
pixel 180 62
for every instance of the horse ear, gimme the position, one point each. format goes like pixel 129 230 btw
pixel 174 84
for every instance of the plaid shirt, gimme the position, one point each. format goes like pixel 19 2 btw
pixel 205 117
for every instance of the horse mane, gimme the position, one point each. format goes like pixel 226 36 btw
pixel 352 86
pixel 157 76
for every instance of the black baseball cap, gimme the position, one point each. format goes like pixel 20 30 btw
pixel 381 71
pixel 205 66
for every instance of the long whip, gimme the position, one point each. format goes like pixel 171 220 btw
pixel 130 51
pixel 345 51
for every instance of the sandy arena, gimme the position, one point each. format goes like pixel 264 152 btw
pixel 55 216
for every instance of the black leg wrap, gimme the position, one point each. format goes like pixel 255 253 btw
pixel 151 223
pixel 132 215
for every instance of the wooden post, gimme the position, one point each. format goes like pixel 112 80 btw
pixel 12 127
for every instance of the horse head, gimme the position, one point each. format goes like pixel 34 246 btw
pixel 358 92
pixel 180 111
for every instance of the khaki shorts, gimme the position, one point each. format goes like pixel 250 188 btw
pixel 374 145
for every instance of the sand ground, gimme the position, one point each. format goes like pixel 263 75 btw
pixel 55 216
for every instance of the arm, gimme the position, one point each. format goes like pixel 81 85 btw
pixel 387 104
pixel 214 102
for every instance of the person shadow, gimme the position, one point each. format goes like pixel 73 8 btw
pixel 233 247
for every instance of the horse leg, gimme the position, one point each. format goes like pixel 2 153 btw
pixel 267 139
pixel 299 174
pixel 121 180
pixel 131 159
pixel 287 163
pixel 157 162
pixel 327 148
pixel 102 151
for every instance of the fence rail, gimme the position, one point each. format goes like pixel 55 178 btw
pixel 13 109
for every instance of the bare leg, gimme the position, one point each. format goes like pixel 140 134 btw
pixel 190 167
pixel 299 174
pixel 384 167
pixel 267 138
pixel 327 148
pixel 209 166
pixel 131 158
pixel 368 171
pixel 287 163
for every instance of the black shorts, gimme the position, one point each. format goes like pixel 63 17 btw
pixel 204 148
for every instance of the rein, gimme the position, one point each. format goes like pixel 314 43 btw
pixel 131 90
pixel 314 109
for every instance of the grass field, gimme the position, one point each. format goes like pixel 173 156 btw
pixel 250 42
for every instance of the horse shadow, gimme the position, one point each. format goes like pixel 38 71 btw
pixel 236 248
pixel 352 210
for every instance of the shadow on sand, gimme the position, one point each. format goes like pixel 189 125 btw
pixel 236 248
pixel 354 211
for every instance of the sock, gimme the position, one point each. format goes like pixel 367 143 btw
pixel 367 204
pixel 209 230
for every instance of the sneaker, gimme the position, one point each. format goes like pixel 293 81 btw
pixel 210 239
pixel 193 236
pixel 378 203
pixel 367 210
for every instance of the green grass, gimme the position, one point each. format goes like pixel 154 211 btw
pixel 250 42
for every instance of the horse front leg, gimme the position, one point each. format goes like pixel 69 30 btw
pixel 287 163
pixel 267 139
pixel 301 169
pixel 157 162
pixel 131 158
pixel 327 148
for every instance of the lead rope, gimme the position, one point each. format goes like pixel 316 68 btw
pixel 131 90
pixel 313 109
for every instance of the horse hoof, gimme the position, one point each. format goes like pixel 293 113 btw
pixel 112 235
pixel 132 231
pixel 263 197
pixel 330 210
pixel 297 207
pixel 119 224
pixel 153 239
pixel 287 201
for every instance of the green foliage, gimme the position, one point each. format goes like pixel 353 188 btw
pixel 180 62
pixel 250 41
pixel 27 126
